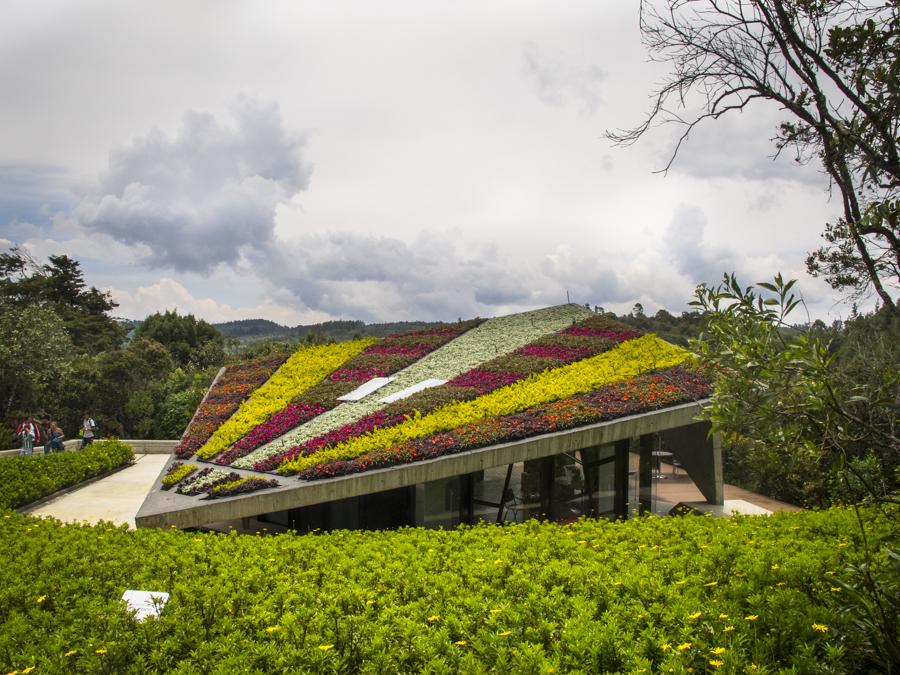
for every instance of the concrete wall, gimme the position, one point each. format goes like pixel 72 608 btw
pixel 140 446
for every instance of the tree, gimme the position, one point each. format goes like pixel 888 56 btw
pixel 832 67
pixel 794 392
pixel 191 342
pixel 60 284
pixel 34 357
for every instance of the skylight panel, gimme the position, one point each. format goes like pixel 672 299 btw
pixel 409 391
pixel 364 390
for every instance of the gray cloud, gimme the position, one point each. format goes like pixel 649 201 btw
pixel 203 196
pixel 739 147
pixel 373 277
pixel 559 78
pixel 30 194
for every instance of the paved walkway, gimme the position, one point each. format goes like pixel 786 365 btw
pixel 115 498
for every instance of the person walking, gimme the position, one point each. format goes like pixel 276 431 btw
pixel 88 428
pixel 56 437
pixel 29 433
pixel 45 434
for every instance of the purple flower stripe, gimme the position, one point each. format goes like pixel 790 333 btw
pixel 484 380
pixel 357 374
pixel 418 350
pixel 555 352
pixel 605 333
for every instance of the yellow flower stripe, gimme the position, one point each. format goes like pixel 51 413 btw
pixel 629 359
pixel 306 367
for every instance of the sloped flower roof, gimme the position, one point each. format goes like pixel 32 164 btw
pixel 504 379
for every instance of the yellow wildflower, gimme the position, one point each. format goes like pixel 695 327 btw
pixel 717 651
pixel 273 629
pixel 41 599
pixel 433 618
pixel 819 627
pixel 728 629
pixel 715 663
pixel 723 616
pixel 666 647
pixel 776 567
pixel 684 645
pixel 460 643
pixel 369 603
pixel 325 648
pixel 695 616
pixel 27 670
pixel 498 561
pixel 835 589
pixel 71 652
pixel 101 651
pixel 751 617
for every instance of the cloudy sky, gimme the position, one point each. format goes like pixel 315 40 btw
pixel 396 160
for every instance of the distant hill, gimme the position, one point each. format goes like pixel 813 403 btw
pixel 252 330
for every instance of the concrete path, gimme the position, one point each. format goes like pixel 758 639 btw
pixel 115 498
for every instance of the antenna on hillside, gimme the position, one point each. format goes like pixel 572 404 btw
pixel 568 302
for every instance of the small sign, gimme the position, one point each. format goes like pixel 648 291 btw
pixel 145 603
pixel 360 392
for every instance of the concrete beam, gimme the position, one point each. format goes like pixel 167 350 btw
pixel 701 456
pixel 164 509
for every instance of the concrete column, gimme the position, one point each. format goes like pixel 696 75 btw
pixel 620 479
pixel 645 446
pixel 701 456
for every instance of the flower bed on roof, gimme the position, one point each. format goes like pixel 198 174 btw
pixel 627 360
pixel 305 367
pixel 546 352
pixel 494 338
pixel 641 394
pixel 323 396
pixel 223 398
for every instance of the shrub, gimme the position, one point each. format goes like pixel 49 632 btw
pixel 658 595
pixel 26 479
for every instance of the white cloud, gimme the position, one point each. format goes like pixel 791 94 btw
pixel 559 77
pixel 169 294
pixel 204 196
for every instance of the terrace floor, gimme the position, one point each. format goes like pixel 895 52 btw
pixel 677 488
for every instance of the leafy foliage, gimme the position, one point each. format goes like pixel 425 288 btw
pixel 756 594
pixel 190 342
pixel 801 405
pixel 27 479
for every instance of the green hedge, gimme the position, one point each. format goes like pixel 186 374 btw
pixel 649 595
pixel 26 479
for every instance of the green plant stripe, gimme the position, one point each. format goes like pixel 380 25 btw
pixel 493 338
pixel 628 359
pixel 305 368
